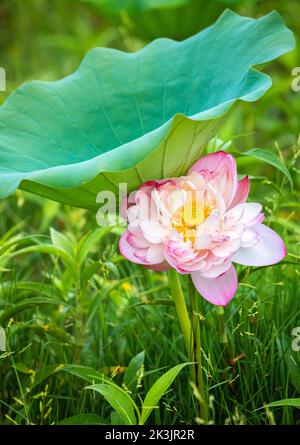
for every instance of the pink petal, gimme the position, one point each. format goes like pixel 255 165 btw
pixel 218 291
pixel 138 242
pixel 203 241
pixel 251 213
pixel 226 248
pixel 216 197
pixel 248 213
pixel 155 254
pixel 206 230
pixel 225 177
pixel 270 249
pixel 153 231
pixel 242 192
pixel 159 267
pixel 128 251
pixel 209 162
pixel 216 271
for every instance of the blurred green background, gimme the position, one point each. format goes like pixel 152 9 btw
pixel 120 309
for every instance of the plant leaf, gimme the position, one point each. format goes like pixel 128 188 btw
pixel 83 372
pixel 116 419
pixel 49 249
pixel 118 399
pixel 285 402
pixel 83 419
pixel 132 372
pixel 270 158
pixel 23 305
pixel 60 241
pixel 150 19
pixel 129 118
pixel 89 241
pixel 86 373
pixel 159 388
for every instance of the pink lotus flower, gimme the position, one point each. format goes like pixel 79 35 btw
pixel 200 224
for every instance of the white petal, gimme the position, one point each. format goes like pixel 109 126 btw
pixel 153 231
pixel 249 238
pixel 155 254
pixel 270 249
pixel 215 271
pixel 246 213
pixel 203 241
pixel 226 248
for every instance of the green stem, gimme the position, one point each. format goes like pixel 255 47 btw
pixel 191 336
pixel 198 353
pixel 181 309
pixel 79 323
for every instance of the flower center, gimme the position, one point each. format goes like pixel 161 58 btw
pixel 187 218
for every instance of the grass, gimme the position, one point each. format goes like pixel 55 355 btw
pixel 108 310
pixel 68 297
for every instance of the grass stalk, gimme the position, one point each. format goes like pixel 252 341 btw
pixel 223 333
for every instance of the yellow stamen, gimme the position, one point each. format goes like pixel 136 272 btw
pixel 187 218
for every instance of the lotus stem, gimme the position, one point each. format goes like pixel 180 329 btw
pixel 191 336
pixel 194 298
pixel 182 312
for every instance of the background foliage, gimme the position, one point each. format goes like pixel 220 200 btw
pixel 73 310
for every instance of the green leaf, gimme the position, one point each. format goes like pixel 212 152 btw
pixel 89 271
pixel 131 375
pixel 61 241
pixel 285 402
pixel 116 419
pixel 132 117
pixel 158 390
pixel 270 158
pixel 90 241
pixel 30 287
pixel 293 227
pixel 21 367
pixel 28 303
pixel 52 330
pixel 49 249
pixel 86 373
pixel 83 372
pixel 150 19
pixel 118 399
pixel 83 419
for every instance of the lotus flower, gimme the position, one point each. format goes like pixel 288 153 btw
pixel 200 224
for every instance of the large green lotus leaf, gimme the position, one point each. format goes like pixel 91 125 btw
pixel 132 117
pixel 150 19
